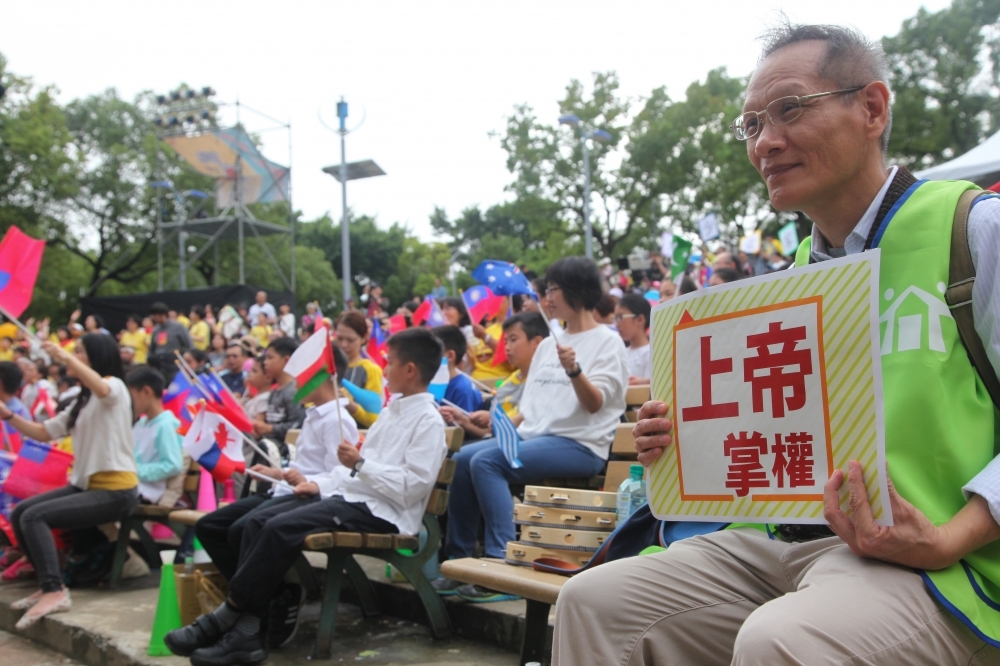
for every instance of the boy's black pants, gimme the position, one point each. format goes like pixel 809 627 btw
pixel 270 544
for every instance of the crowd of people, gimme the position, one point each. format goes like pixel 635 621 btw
pixel 557 365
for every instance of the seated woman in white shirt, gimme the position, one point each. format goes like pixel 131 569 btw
pixel 572 401
pixel 632 319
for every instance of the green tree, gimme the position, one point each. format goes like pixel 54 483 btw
pixel 946 78
pixel 526 231
pixel 374 251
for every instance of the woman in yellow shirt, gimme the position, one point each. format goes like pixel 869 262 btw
pixel 352 333
pixel 136 337
pixel 261 332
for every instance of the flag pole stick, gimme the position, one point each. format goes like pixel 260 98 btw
pixel 478 383
pixel 17 322
pixel 191 375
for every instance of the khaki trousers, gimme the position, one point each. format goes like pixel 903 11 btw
pixel 738 597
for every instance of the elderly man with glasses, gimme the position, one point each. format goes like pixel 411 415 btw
pixel 926 591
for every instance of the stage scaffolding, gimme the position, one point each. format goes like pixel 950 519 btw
pixel 242 176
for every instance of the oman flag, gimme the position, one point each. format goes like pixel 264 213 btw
pixel 312 363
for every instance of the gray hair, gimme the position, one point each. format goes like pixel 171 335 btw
pixel 851 58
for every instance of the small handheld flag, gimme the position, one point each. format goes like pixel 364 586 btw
pixel 500 355
pixel 215 444
pixel 503 278
pixel 377 345
pixel 506 435
pixel 312 363
pixel 481 302
pixel 439 384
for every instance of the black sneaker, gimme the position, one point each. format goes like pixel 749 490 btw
pixel 283 615
pixel 445 587
pixel 232 648
pixel 201 633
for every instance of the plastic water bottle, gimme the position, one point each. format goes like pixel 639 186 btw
pixel 631 494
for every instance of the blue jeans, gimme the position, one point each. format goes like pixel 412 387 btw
pixel 481 487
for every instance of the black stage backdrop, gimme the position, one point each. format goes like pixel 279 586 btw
pixel 114 309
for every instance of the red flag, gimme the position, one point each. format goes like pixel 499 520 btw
pixel 500 355
pixel 397 323
pixel 20 257
pixel 421 313
pixel 232 411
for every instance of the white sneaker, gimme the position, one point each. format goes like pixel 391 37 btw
pixel 135 566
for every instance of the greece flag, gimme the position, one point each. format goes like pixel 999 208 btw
pixel 506 435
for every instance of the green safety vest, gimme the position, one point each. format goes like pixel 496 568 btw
pixel 939 419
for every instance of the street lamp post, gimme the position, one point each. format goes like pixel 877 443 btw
pixel 345 172
pixel 586 133
pixel 345 232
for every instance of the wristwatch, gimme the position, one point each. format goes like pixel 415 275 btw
pixel 358 465
pixel 575 373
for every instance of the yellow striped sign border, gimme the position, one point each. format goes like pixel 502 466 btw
pixel 848 288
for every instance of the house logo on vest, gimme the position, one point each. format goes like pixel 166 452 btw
pixel 904 320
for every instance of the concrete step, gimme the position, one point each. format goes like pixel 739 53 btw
pixel 111 628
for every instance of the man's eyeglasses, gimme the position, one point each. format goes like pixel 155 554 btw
pixel 618 318
pixel 550 290
pixel 779 112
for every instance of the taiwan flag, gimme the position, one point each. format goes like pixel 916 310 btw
pixel 215 444
pixel 429 313
pixel 225 403
pixel 377 345
pixel 20 257
pixel 481 302
pixel 181 398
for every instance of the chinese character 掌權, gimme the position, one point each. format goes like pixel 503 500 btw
pixel 745 470
pixel 777 379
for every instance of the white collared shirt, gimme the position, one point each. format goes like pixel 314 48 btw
pixel 984 245
pixel 403 452
pixel 316 447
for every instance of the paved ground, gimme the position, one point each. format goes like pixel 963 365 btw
pixel 103 622
pixel 19 651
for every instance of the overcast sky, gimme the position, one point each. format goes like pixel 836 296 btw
pixel 433 78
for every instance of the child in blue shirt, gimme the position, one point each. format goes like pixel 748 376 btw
pixel 158 452
pixel 10 382
pixel 460 389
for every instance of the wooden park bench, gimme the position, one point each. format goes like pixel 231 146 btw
pixel 540 591
pixel 341 547
pixel 153 513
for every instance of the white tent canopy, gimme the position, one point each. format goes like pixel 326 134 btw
pixel 981 165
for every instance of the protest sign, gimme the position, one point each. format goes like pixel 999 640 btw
pixel 708 227
pixel 773 383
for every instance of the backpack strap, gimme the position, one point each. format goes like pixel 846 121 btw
pixel 961 278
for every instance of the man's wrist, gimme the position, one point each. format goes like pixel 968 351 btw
pixel 575 372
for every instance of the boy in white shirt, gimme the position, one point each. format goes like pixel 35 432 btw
pixel 383 488
pixel 632 319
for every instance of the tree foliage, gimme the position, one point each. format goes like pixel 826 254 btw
pixel 946 78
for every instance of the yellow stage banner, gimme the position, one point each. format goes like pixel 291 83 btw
pixel 773 383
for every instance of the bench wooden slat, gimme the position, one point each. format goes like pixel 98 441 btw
pixel 319 541
pixel 637 395
pixel 496 575
pixel 292 435
pixel 447 472
pixel 454 438
pixel 438 502
pixel 377 541
pixel 405 542
pixel 618 471
pixel 152 511
pixel 349 539
pixel 624 442
pixel 632 416
pixel 186 516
